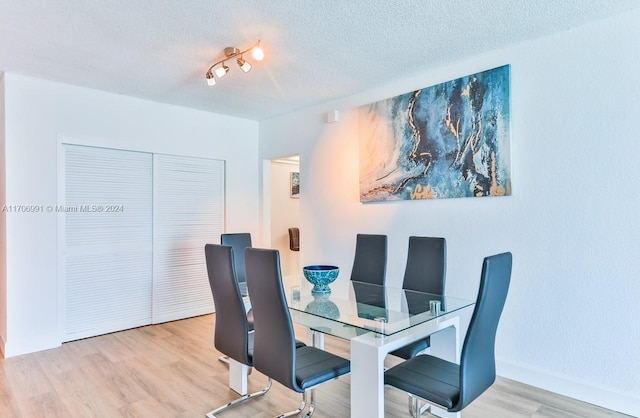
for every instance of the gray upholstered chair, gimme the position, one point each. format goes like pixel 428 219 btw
pixel 231 335
pixel 370 259
pixel 274 352
pixel 238 241
pixel 454 386
pixel 425 272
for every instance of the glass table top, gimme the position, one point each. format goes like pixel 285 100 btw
pixel 356 308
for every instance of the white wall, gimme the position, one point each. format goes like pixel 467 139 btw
pixel 37 114
pixel 571 322
pixel 285 213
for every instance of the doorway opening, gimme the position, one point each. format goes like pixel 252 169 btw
pixel 283 208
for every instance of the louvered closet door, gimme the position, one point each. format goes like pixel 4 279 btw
pixel 188 213
pixel 107 250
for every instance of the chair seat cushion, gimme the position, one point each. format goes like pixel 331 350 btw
pixel 314 366
pixel 427 377
pixel 412 349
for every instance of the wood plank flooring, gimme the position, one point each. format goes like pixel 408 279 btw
pixel 172 370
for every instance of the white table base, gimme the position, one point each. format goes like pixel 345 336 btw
pixel 367 361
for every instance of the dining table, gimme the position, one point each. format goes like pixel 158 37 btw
pixel 376 320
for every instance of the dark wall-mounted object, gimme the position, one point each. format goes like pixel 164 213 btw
pixel 294 239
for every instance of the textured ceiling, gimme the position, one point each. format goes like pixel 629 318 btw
pixel 316 50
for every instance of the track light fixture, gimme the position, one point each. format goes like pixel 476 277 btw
pixel 219 69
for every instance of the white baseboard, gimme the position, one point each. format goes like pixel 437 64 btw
pixel 620 402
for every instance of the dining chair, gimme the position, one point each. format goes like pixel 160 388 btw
pixel 454 386
pixel 425 272
pixel 238 241
pixel 370 259
pixel 232 330
pixel 274 352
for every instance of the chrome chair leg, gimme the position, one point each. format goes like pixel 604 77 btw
pixel 312 404
pixel 415 410
pixel 298 410
pixel 411 405
pixel 414 406
pixel 212 414
pixel 426 409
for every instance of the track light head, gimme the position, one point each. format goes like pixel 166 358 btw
pixel 257 52
pixel 222 71
pixel 211 81
pixel 244 65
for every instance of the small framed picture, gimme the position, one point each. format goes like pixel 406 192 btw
pixel 295 185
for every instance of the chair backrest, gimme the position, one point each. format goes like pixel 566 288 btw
pixel 370 260
pixel 294 239
pixel 477 362
pixel 238 242
pixel 231 329
pixel 426 265
pixel 274 347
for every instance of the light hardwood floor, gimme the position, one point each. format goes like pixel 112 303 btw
pixel 171 370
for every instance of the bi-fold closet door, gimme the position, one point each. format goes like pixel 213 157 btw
pixel 134 226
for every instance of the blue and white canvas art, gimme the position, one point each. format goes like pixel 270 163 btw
pixel 445 141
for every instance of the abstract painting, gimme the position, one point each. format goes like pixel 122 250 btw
pixel 445 141
pixel 295 184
